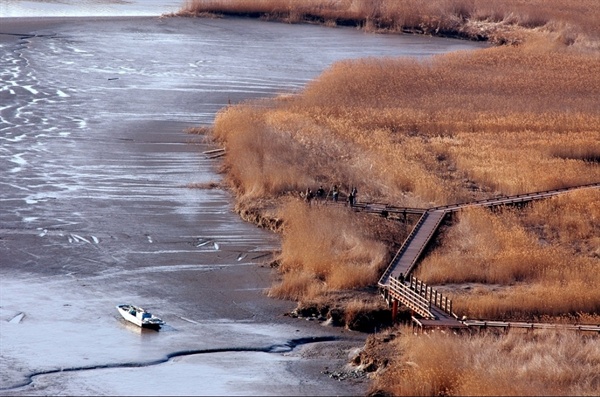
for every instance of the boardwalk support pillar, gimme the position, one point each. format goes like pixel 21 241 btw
pixel 394 310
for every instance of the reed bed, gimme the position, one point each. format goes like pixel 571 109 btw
pixel 499 21
pixel 453 128
pixel 541 364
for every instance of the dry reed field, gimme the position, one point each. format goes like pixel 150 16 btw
pixel 418 133
pixel 545 363
pixel 505 21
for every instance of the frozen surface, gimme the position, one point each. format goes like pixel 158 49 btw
pixel 83 8
pixel 95 210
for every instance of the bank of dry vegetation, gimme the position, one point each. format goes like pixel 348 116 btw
pixel 506 21
pixel 417 133
pixel 454 128
pixel 544 363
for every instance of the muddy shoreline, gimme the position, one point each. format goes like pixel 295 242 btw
pixel 497 33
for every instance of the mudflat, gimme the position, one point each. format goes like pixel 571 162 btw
pixel 97 208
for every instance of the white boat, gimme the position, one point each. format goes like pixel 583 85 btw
pixel 140 317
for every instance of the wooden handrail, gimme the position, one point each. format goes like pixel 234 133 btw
pixel 432 296
pixel 525 325
pixel 410 298
pixel 515 198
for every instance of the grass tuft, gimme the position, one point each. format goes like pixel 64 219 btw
pixel 325 249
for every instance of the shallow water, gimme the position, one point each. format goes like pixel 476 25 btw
pixel 95 211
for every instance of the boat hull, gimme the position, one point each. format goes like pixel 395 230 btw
pixel 139 317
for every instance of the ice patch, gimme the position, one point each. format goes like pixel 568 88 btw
pixel 78 238
pixel 31 89
pixel 188 320
pixel 18 159
pixel 17 319
pixel 62 94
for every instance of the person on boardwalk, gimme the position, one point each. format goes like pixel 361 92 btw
pixel 320 192
pixel 353 194
pixel 351 199
pixel 335 193
pixel 308 196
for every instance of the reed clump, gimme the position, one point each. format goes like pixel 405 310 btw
pixel 325 249
pixel 544 363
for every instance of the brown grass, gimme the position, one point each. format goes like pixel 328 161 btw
pixel 201 130
pixel 539 364
pixel 326 249
pixel 452 128
pixel 455 128
pixel 499 21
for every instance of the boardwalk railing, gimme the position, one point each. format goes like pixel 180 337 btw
pixel 420 298
pixel 428 302
pixel 523 325
pixel 432 296
pixel 518 198
pixel 386 209
pixel 409 298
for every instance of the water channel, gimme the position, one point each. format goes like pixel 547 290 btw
pixel 95 208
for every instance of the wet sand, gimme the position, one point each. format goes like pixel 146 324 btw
pixel 96 211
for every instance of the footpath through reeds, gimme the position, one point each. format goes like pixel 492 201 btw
pixel 453 128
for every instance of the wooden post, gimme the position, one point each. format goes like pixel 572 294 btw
pixel 394 310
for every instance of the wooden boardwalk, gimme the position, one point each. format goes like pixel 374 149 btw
pixel 516 199
pixel 406 258
pixel 392 282
pixel 529 326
